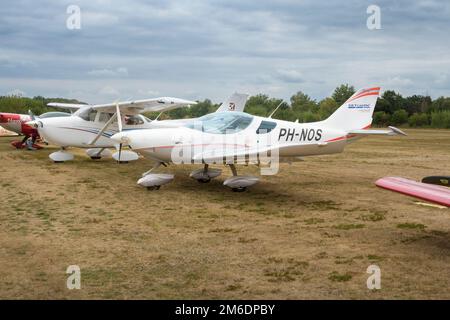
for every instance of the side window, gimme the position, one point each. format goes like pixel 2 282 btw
pixel 266 127
pixel 133 120
pixel 104 117
pixel 88 115
pixel 92 115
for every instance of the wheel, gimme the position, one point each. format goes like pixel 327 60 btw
pixel 205 180
pixel 240 189
pixel 122 162
pixel 96 158
pixel 153 188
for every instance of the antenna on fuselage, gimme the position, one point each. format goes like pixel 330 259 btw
pixel 276 109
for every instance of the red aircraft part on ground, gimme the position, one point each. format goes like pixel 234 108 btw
pixel 428 192
pixel 17 123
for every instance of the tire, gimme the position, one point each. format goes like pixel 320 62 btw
pixel 240 189
pixel 204 180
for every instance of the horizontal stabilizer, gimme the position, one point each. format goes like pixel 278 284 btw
pixel 392 131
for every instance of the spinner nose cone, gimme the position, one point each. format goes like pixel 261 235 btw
pixel 32 123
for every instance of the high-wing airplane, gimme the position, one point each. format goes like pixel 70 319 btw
pixel 241 138
pixel 92 126
pixel 18 123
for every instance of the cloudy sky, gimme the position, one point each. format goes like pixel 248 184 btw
pixel 208 49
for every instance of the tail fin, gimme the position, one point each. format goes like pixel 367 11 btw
pixel 356 113
pixel 234 103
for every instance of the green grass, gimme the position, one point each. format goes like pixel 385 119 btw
pixel 313 221
pixel 374 217
pixel 373 257
pixel 344 226
pixel 336 277
pixel 408 225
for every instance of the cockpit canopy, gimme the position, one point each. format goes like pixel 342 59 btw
pixel 222 122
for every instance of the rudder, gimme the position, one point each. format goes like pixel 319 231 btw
pixel 234 103
pixel 356 112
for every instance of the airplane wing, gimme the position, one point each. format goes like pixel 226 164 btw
pixel 70 106
pixel 436 194
pixel 234 103
pixel 136 107
pixel 392 131
pixel 146 105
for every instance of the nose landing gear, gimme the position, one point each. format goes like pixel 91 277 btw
pixel 61 156
pixel 153 181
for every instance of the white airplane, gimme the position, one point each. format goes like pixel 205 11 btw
pixel 241 138
pixel 92 126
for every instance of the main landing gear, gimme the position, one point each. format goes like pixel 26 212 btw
pixel 98 153
pixel 239 183
pixel 153 181
pixel 205 175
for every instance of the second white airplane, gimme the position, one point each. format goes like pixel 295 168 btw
pixel 91 126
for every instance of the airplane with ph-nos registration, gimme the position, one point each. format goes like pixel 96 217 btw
pixel 231 138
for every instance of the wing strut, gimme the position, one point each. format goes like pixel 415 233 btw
pixel 107 124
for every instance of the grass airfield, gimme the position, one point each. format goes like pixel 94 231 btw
pixel 308 233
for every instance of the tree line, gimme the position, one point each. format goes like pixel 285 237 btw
pixel 391 109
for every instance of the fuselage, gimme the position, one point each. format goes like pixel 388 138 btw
pixel 75 131
pixel 291 139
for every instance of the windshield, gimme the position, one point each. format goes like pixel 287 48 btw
pixel 222 122
pixel 54 115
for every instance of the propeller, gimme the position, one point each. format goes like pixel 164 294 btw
pixel 31 114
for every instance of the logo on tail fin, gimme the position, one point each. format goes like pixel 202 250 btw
pixel 365 93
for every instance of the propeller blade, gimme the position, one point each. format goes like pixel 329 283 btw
pixel 31 114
